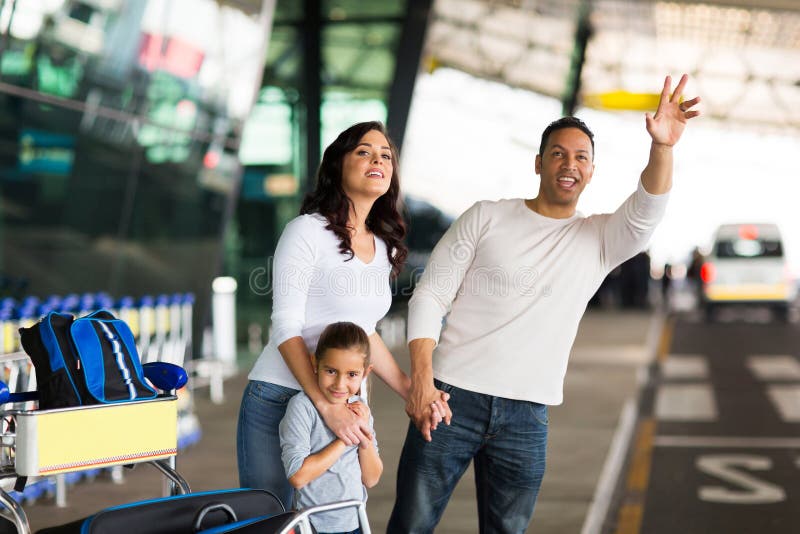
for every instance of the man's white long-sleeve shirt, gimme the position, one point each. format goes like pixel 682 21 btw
pixel 516 285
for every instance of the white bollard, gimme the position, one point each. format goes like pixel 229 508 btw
pixel 223 319
pixel 61 491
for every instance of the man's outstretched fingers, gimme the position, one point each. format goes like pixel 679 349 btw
pixel 676 95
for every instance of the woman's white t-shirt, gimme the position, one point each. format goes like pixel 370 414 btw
pixel 313 285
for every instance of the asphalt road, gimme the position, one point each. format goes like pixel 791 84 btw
pixel 717 444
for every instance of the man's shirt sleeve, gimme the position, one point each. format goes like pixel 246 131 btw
pixel 443 276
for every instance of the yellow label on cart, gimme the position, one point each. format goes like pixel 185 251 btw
pixel 162 318
pixel 131 318
pixel 60 441
pixel 147 319
pixel 10 337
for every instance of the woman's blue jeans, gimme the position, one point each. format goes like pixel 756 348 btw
pixel 258 446
pixel 507 440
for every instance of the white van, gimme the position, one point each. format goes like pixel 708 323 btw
pixel 747 266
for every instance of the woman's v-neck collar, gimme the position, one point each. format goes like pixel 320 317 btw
pixel 374 253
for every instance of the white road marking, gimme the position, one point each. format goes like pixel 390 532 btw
pixel 727 442
pixel 615 460
pixel 685 366
pixel 787 401
pixel 774 367
pixel 685 402
pixel 741 486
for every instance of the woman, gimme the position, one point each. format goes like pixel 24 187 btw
pixel 332 264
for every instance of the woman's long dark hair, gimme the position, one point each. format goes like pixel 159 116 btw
pixel 329 199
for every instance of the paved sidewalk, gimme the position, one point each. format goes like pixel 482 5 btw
pixel 601 377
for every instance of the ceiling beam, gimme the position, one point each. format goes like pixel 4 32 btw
pixel 784 5
pixel 781 5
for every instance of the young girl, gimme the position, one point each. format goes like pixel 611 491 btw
pixel 320 467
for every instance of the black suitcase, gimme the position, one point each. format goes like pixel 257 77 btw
pixel 180 514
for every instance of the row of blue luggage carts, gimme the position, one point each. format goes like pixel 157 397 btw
pixel 162 327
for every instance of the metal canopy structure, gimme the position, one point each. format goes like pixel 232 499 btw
pixel 322 51
pixel 743 57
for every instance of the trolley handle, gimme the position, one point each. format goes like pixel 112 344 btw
pixel 6 396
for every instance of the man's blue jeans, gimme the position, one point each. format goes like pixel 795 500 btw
pixel 258 446
pixel 507 439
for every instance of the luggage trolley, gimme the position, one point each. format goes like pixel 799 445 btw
pixel 41 443
pixel 239 511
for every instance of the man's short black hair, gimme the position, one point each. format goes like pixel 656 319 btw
pixel 560 124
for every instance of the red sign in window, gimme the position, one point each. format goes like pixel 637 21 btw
pixel 178 57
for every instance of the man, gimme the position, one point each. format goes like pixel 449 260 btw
pixel 515 276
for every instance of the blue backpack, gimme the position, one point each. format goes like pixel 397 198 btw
pixel 89 360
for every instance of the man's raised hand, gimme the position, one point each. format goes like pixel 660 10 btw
pixel 666 126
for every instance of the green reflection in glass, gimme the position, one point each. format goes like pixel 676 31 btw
pixel 16 62
pixel 59 80
pixel 168 106
pixel 267 138
pixel 340 111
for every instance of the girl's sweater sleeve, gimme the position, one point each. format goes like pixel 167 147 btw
pixel 295 435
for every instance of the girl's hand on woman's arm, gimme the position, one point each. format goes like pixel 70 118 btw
pixel 344 423
pixel 361 410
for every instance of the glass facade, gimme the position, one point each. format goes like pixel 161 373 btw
pixel 358 54
pixel 120 123
pixel 147 146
